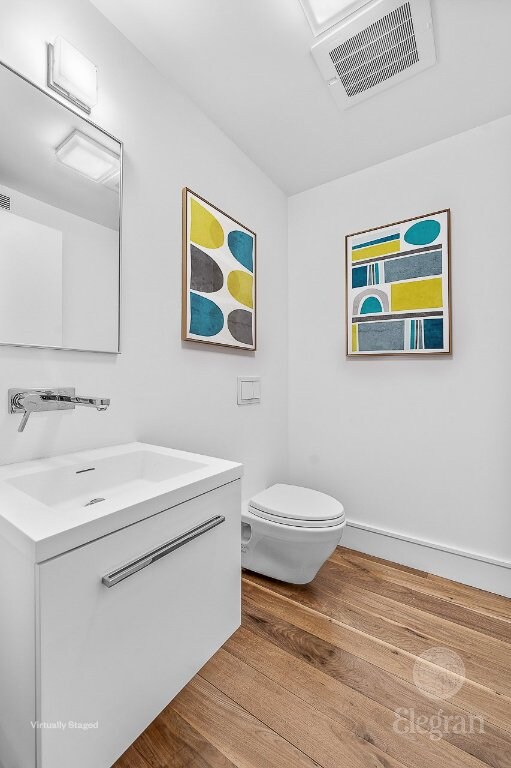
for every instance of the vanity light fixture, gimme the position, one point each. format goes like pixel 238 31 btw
pixel 88 157
pixel 72 75
pixel 323 14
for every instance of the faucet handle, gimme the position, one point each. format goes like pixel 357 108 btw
pixel 29 403
pixel 24 420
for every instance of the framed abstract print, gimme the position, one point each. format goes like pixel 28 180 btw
pixel 219 276
pixel 398 292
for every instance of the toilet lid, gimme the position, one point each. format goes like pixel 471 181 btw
pixel 293 505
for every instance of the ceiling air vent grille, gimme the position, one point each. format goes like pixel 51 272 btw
pixel 5 202
pixel 382 44
pixel 381 51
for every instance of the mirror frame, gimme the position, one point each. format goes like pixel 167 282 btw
pixel 119 282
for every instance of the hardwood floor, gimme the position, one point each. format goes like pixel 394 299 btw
pixel 323 675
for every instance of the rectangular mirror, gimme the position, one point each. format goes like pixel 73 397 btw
pixel 60 213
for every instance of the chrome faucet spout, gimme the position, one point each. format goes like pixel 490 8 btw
pixel 27 401
pixel 99 403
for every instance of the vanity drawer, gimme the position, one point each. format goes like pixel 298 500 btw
pixel 117 643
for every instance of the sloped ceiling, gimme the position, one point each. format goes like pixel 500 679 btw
pixel 247 64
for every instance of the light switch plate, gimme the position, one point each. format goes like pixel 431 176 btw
pixel 249 390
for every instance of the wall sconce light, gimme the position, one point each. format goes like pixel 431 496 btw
pixel 72 75
pixel 88 157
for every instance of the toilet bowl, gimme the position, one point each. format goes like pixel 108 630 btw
pixel 288 532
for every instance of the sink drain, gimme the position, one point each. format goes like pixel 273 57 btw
pixel 94 501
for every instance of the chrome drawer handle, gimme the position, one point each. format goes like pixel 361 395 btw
pixel 111 579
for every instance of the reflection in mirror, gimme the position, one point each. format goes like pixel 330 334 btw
pixel 60 201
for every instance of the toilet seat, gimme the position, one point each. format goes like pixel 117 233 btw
pixel 295 506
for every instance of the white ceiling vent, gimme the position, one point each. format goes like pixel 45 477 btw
pixel 5 202
pixel 383 44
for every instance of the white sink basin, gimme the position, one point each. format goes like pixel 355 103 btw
pixel 67 488
pixel 50 506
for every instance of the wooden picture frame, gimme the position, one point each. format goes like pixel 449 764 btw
pixel 218 277
pixel 398 288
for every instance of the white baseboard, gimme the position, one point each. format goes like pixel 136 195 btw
pixel 469 568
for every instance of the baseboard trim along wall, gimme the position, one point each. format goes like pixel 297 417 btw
pixel 469 568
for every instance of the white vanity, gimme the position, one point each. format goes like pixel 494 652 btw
pixel 119 578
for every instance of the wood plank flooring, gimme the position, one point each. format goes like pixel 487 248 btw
pixel 323 675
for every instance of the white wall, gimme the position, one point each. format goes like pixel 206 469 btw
pixel 30 281
pixel 87 281
pixel 162 390
pixel 416 446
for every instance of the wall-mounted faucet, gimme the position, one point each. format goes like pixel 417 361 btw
pixel 27 401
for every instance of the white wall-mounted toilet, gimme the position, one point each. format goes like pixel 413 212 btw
pixel 288 532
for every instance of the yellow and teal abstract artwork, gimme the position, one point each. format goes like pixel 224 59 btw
pixel 219 276
pixel 398 288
